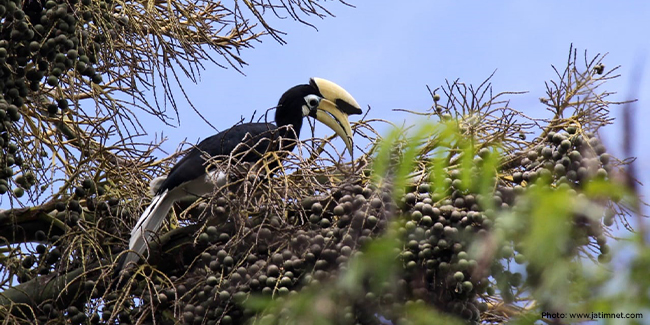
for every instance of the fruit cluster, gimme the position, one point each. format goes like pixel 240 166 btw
pixel 41 43
pixel 569 159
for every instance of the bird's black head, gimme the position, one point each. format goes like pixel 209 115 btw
pixel 292 105
pixel 320 99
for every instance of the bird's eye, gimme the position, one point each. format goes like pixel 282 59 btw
pixel 312 101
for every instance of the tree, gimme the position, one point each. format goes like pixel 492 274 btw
pixel 424 224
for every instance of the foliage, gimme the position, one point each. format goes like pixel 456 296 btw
pixel 489 227
pixel 461 220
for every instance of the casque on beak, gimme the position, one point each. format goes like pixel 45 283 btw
pixel 335 107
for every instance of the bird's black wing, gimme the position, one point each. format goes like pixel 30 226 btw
pixel 259 138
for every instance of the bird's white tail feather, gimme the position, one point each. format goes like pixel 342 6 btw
pixel 149 222
pixel 152 218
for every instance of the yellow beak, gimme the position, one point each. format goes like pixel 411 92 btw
pixel 331 116
pixel 335 107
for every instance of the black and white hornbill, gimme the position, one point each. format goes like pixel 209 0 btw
pixel 320 99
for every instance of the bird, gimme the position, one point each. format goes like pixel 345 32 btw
pixel 320 99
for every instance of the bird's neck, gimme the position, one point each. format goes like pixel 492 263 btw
pixel 289 132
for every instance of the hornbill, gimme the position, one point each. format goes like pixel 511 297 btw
pixel 321 99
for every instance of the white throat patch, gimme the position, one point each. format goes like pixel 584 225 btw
pixel 305 110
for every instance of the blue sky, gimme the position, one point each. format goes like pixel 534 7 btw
pixel 386 52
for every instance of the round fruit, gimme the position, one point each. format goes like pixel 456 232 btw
pixel 52 81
